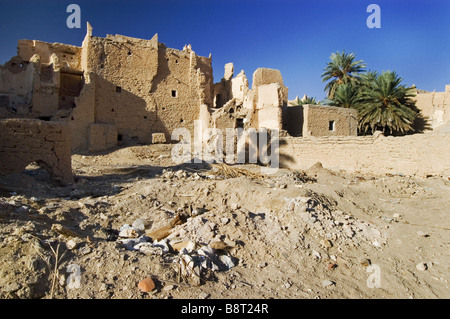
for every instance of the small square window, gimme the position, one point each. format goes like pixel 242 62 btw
pixel 331 125
pixel 174 93
pixel 118 89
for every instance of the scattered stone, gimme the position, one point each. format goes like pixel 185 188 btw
pixel 23 209
pixel 163 244
pixel 423 234
pixel 60 229
pixel 218 245
pixel 376 243
pixel 85 250
pixel 12 287
pixel 126 231
pixel 139 224
pixel 327 283
pixel 422 266
pixel 148 249
pixel 146 285
pixel 316 254
pixel 72 243
pixel 332 266
pixel 366 263
pixel 168 287
pixel 235 206
pixel 326 244
pixel 227 261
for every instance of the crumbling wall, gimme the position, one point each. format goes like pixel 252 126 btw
pixel 418 154
pixel 142 87
pixel 69 56
pixel 259 107
pixel 329 121
pixel 270 98
pixel 16 87
pixel 435 106
pixel 24 141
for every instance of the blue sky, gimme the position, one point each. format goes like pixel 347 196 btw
pixel 297 37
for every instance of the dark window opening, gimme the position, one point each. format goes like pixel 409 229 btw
pixel 118 89
pixel 219 102
pixel 176 61
pixel 181 121
pixel 231 111
pixel 174 93
pixel 119 137
pixel 129 53
pixel 331 126
pixel 112 110
pixel 45 118
pixel 239 123
pixel 163 108
pixel 145 117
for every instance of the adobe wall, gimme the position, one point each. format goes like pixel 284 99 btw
pixel 24 141
pixel 418 154
pixel 435 106
pixel 16 87
pixel 316 121
pixel 142 87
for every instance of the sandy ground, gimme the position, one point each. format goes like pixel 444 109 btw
pixel 312 234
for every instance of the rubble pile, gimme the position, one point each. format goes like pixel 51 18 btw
pixel 332 225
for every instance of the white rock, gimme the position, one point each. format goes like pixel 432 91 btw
pixel 422 266
pixel 423 234
pixel 327 283
pixel 72 244
pixel 139 224
pixel 227 261
pixel 168 287
pixel 128 232
pixel 316 254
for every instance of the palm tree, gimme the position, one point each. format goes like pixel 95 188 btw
pixel 305 100
pixel 347 95
pixel 341 69
pixel 387 105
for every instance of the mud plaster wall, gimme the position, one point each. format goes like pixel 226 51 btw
pixel 142 87
pixel 316 121
pixel 24 141
pixel 418 154
pixel 435 107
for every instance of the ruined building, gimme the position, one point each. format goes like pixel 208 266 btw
pixel 120 90
pixel 435 107
pixel 109 90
